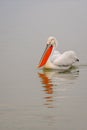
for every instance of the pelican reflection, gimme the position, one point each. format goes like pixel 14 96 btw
pixel 55 84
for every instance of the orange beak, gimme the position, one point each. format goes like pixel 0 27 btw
pixel 45 55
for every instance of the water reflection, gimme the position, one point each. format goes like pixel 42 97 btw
pixel 55 84
pixel 48 88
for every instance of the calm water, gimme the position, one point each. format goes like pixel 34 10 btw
pixel 33 99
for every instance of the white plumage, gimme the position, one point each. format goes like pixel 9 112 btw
pixel 56 60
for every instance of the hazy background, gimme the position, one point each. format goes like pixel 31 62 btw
pixel 28 24
pixel 25 98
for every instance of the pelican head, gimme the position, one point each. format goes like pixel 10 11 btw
pixel 51 44
pixel 52 40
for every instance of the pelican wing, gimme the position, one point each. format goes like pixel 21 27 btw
pixel 65 59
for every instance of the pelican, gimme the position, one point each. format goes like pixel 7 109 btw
pixel 53 59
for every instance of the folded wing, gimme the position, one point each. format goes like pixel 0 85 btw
pixel 68 58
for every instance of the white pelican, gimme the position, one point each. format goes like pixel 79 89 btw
pixel 52 59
